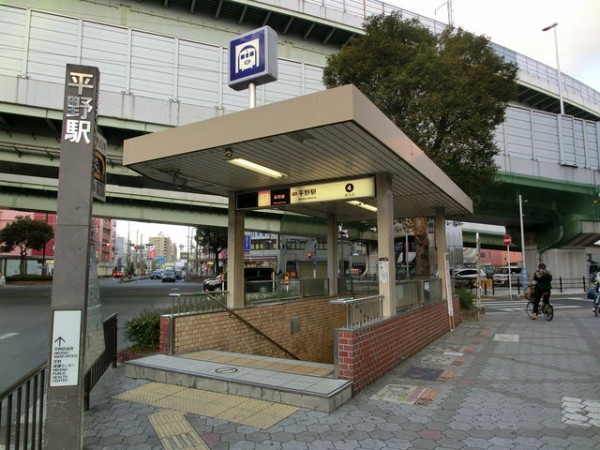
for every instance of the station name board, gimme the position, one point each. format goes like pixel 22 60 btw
pixel 309 193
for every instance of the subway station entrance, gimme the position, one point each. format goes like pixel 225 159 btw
pixel 331 155
pixel 335 135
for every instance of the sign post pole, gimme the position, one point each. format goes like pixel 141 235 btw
pixel 507 241
pixel 78 167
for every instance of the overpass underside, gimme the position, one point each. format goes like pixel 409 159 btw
pixel 556 213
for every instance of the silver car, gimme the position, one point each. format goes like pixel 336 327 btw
pixel 468 277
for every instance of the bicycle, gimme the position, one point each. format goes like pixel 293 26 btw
pixel 545 308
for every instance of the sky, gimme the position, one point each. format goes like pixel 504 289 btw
pixel 515 24
pixel 140 232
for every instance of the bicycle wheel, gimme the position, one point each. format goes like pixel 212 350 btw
pixel 529 308
pixel 548 312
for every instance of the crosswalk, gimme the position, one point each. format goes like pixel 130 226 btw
pixel 504 306
pixel 7 335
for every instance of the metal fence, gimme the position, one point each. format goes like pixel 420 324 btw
pixel 107 358
pixel 22 411
pixel 22 404
pixel 198 303
pixel 559 285
pixel 363 311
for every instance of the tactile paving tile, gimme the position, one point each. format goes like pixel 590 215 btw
pixel 257 413
pixel 175 432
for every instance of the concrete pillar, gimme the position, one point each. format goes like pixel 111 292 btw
pixel 332 255
pixel 235 255
pixel 386 265
pixel 440 245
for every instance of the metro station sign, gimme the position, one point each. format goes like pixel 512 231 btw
pixel 309 193
pixel 253 58
pixel 337 190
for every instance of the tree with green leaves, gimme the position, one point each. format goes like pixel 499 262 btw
pixel 447 92
pixel 213 239
pixel 25 233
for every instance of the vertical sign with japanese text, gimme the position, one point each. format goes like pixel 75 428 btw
pixel 81 164
pixel 79 121
pixel 81 105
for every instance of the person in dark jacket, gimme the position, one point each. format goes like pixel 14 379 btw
pixel 543 283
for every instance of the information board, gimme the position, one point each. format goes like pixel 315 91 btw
pixel 66 333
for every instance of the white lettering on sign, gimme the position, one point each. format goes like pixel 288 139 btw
pixel 79 107
pixel 77 129
pixel 66 335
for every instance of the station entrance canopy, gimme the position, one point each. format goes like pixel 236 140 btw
pixel 334 135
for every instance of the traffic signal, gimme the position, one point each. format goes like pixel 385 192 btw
pixel 309 255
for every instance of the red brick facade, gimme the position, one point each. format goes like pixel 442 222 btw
pixel 362 356
pixel 365 355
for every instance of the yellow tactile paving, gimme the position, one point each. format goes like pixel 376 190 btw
pixel 175 432
pixel 257 413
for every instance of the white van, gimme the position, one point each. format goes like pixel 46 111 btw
pixel 501 277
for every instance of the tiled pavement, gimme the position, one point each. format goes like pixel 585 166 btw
pixel 499 382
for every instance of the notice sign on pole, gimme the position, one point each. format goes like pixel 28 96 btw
pixel 66 334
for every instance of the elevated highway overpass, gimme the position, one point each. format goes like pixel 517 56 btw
pixel 163 64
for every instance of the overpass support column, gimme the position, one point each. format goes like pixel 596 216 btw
pixel 235 255
pixel 440 245
pixel 332 255
pixel 386 268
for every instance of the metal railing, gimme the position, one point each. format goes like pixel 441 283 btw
pixel 362 311
pixel 107 358
pixel 22 404
pixel 559 284
pixel 22 411
pixel 198 303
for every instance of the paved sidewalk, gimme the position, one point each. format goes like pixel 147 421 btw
pixel 500 382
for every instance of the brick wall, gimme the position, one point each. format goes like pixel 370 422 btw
pixel 362 356
pixel 317 320
pixel 365 355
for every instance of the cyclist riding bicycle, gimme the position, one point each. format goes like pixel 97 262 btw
pixel 543 284
pixel 596 298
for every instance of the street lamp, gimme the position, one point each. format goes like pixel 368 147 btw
pixel 560 97
pixel 524 270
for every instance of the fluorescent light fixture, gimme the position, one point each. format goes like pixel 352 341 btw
pixel 241 162
pixel 363 205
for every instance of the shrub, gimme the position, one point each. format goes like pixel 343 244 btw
pixel 144 331
pixel 18 278
pixel 465 299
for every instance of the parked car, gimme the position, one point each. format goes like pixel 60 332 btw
pixel 118 274
pixel 168 276
pixel 468 277
pixel 156 274
pixel 256 279
pixel 500 278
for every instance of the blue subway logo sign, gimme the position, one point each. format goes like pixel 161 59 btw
pixel 253 58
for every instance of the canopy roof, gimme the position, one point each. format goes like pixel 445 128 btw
pixel 337 134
